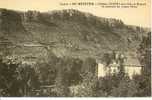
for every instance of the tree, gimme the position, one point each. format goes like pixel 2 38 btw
pixel 144 56
pixel 9 84
pixel 105 84
pixel 126 88
pixel 89 65
pixel 144 53
pixel 107 58
pixel 46 73
pixel 73 67
pixel 88 87
pixel 28 79
pixel 61 85
pixel 121 66
pixel 89 78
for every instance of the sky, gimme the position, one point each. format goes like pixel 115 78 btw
pixel 133 16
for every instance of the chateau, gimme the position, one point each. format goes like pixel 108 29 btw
pixel 131 67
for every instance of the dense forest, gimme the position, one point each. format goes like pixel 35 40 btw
pixel 73 77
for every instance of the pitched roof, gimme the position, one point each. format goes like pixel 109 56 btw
pixel 132 61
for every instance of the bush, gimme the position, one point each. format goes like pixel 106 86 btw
pixel 116 86
pixel 126 88
pixel 16 79
pixel 87 88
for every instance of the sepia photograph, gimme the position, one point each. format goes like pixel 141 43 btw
pixel 75 48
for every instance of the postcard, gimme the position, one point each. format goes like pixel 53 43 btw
pixel 75 48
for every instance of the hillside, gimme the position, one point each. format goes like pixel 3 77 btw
pixel 66 32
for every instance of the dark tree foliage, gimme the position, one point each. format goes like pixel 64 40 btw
pixel 68 74
pixel 89 78
pixel 125 88
pixel 106 84
pixel 61 83
pixel 107 58
pixel 73 67
pixel 8 79
pixel 144 55
pixel 121 66
pixel 28 79
pixel 46 73
pixel 115 86
pixel 16 79
pixel 87 87
pixel 89 65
